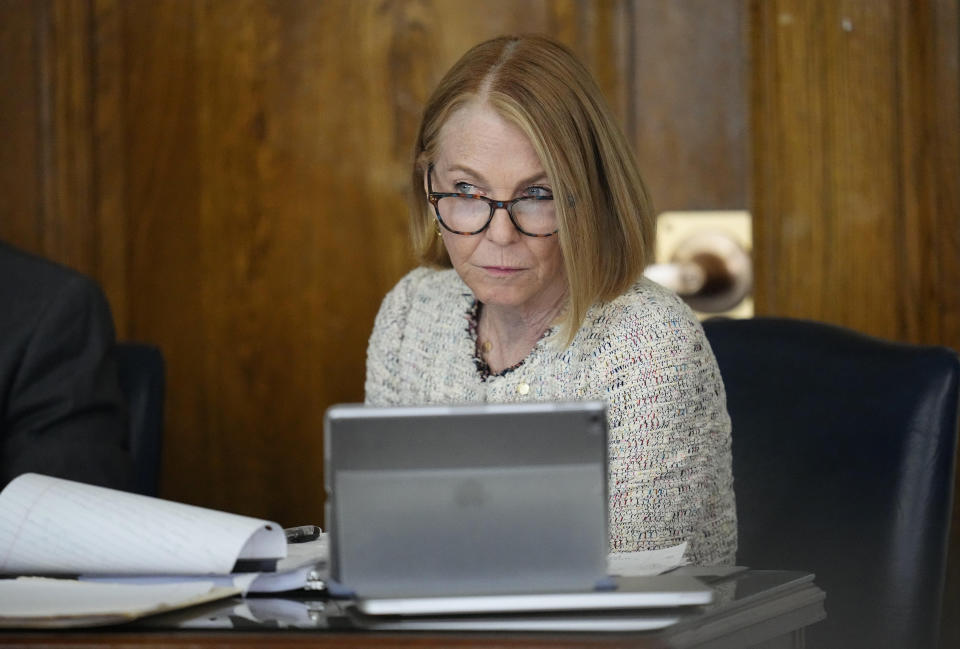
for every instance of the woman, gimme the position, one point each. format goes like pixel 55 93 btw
pixel 533 228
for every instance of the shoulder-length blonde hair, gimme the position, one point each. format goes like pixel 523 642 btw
pixel 604 217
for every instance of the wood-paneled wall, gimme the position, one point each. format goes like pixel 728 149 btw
pixel 856 175
pixel 689 114
pixel 856 149
pixel 234 174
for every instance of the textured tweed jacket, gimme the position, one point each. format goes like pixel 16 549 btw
pixel 644 354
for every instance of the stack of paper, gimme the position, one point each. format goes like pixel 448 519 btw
pixel 39 602
pixel 149 553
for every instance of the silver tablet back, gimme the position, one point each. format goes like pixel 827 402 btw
pixel 467 500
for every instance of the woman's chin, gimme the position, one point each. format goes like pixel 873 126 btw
pixel 500 295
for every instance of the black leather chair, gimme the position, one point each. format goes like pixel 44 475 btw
pixel 843 461
pixel 143 380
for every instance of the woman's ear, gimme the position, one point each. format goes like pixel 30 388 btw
pixel 426 178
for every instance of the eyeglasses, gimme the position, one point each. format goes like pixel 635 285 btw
pixel 534 216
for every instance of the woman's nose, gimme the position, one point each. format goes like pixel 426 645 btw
pixel 501 229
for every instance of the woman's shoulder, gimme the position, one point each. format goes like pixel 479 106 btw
pixel 646 303
pixel 646 312
pixel 422 286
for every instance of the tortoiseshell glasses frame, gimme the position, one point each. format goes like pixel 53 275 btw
pixel 434 198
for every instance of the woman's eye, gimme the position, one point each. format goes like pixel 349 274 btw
pixel 538 192
pixel 464 188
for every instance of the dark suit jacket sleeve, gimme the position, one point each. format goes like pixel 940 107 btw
pixel 65 415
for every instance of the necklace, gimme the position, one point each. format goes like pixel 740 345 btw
pixel 481 348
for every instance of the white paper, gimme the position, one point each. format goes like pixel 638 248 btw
pixel 304 561
pixel 37 601
pixel 239 582
pixel 278 582
pixel 645 562
pixel 53 526
pixel 245 582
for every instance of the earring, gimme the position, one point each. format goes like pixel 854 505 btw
pixel 439 231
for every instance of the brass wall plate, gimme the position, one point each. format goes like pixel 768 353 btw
pixel 677 231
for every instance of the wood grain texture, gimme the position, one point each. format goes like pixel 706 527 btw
pixel 66 136
pixel 930 164
pixel 930 141
pixel 48 111
pixel 164 243
pixel 234 173
pixel 20 187
pixel 57 200
pixel 860 210
pixel 787 116
pixel 689 119
pixel 266 158
pixel 108 193
pixel 855 165
pixel 856 174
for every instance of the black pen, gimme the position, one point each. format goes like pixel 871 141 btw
pixel 302 533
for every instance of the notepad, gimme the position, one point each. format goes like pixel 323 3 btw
pixel 50 526
pixel 44 603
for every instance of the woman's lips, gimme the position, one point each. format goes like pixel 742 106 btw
pixel 502 271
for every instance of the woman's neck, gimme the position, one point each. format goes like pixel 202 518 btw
pixel 507 335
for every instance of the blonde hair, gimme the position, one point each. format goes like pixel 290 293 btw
pixel 605 221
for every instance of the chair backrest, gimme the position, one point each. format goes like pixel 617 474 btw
pixel 143 381
pixel 843 460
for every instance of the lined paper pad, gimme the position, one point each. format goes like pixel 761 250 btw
pixel 50 526
pixel 36 602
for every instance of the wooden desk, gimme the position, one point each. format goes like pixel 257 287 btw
pixel 762 609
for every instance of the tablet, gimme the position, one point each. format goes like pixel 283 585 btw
pixel 482 500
